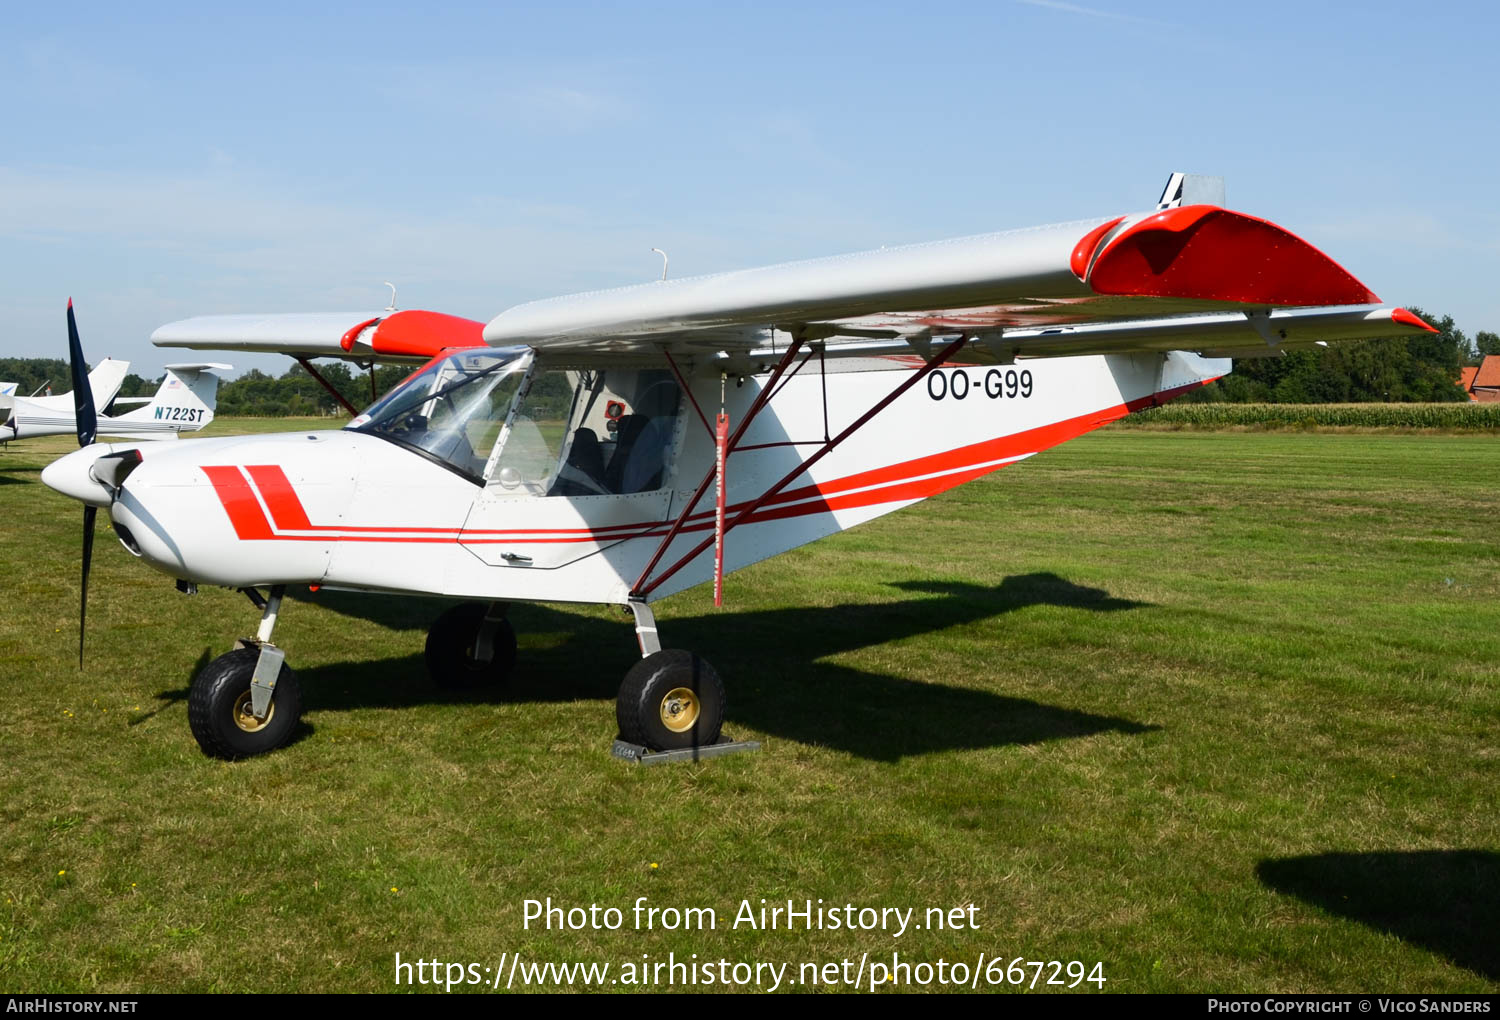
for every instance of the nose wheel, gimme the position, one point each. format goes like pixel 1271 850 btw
pixel 221 708
pixel 247 702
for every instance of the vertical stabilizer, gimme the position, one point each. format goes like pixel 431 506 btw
pixel 184 402
pixel 105 381
pixel 1192 189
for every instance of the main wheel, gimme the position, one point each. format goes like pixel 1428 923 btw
pixel 451 660
pixel 220 713
pixel 671 699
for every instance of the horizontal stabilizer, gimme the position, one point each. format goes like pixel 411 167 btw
pixel 208 366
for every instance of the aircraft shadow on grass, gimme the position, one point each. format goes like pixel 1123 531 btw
pixel 1446 901
pixel 7 473
pixel 771 661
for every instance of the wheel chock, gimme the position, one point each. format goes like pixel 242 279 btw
pixel 626 751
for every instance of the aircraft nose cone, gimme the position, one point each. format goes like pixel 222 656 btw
pixel 71 476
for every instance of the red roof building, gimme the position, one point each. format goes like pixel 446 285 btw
pixel 1485 385
pixel 1466 376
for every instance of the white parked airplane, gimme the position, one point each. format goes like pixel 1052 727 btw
pixel 184 402
pixel 103 382
pixel 619 446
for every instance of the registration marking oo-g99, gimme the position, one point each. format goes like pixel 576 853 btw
pixel 996 383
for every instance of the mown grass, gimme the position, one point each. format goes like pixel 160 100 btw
pixel 1456 417
pixel 1218 710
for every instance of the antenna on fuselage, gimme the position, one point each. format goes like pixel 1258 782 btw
pixel 392 306
pixel 664 261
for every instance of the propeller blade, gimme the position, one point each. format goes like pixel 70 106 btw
pixel 89 513
pixel 83 395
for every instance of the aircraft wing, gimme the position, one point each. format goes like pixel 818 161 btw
pixel 1195 277
pixel 412 335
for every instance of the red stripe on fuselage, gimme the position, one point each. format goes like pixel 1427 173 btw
pixel 239 503
pixel 889 484
pixel 281 499
pixel 1016 444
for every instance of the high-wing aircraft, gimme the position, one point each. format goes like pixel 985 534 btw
pixel 619 446
pixel 184 402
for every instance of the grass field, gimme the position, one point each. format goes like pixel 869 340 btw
pixel 1220 711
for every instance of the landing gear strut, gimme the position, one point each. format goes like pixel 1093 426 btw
pixel 670 700
pixel 471 645
pixel 246 702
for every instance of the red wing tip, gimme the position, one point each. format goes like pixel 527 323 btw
pixel 1207 253
pixel 1406 318
pixel 70 302
pixel 1084 251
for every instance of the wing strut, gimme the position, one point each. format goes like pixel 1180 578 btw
pixel 637 592
pixel 687 389
pixel 646 584
pixel 301 360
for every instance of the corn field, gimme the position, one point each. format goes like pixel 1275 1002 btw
pixel 1469 417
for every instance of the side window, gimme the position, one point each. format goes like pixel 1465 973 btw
pixel 592 433
pixel 641 429
pixel 534 445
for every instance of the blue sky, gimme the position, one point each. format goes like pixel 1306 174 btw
pixel 165 161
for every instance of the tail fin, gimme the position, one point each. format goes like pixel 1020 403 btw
pixel 51 415
pixel 105 380
pixel 1191 189
pixel 184 402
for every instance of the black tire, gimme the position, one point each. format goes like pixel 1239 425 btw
pixel 652 695
pixel 450 649
pixel 218 712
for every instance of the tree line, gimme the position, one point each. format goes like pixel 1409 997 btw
pixel 1420 369
pixel 255 393
pixel 296 393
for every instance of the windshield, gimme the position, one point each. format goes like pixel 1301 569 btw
pixel 452 410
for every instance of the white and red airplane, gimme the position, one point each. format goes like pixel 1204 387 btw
pixel 620 446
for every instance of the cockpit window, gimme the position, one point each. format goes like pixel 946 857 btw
pixel 591 433
pixel 452 410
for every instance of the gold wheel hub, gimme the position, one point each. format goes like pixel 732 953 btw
pixel 680 709
pixel 244 714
